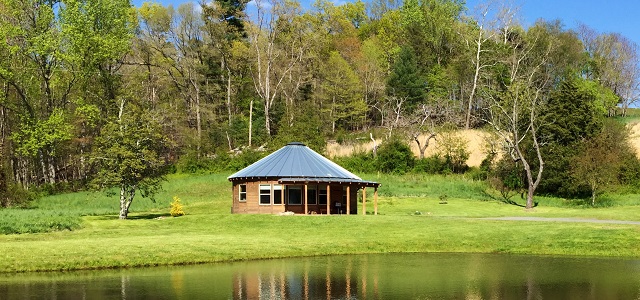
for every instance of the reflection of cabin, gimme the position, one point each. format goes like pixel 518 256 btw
pixel 297 179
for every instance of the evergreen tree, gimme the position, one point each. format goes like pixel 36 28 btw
pixel 406 80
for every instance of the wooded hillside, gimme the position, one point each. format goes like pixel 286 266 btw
pixel 91 86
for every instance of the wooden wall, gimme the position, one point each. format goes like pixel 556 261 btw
pixel 252 204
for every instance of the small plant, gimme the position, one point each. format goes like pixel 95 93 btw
pixel 176 207
pixel 418 213
pixel 443 199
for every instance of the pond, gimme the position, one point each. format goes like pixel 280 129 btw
pixel 380 276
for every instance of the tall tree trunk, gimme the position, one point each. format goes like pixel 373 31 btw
pixel 267 124
pixel 475 81
pixel 4 198
pixel 126 198
pixel 124 211
pixel 229 94
pixel 250 120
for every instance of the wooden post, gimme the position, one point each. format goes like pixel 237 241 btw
pixel 348 200
pixel 306 201
pixel 364 201
pixel 328 199
pixel 375 201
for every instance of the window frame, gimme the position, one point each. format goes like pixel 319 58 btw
pixel 261 189
pixel 320 193
pixel 274 188
pixel 241 193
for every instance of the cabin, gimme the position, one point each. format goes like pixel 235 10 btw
pixel 299 180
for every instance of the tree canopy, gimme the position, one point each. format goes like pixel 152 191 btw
pixel 93 91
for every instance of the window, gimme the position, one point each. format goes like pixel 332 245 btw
pixel 277 194
pixel 311 195
pixel 322 196
pixel 295 195
pixel 243 193
pixel 265 194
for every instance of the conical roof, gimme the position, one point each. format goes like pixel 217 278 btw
pixel 295 160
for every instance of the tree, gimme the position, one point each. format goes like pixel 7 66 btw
pixel 273 61
pixel 599 163
pixel 514 111
pixel 341 92
pixel 406 80
pixel 128 154
pixel 482 32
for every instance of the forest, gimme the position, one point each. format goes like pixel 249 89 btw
pixel 99 93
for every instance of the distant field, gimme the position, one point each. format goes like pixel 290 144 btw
pixel 411 220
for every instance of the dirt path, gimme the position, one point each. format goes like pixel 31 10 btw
pixel 569 220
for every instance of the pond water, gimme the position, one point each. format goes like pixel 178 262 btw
pixel 380 276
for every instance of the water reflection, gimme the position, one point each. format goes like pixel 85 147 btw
pixel 315 279
pixel 393 276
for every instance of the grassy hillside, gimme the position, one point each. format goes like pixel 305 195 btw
pixel 411 220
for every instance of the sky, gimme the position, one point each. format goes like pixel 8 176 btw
pixel 604 16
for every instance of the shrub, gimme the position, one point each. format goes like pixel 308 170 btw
pixel 507 178
pixel 395 157
pixel 430 165
pixel 176 207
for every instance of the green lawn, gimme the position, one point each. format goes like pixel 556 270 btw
pixel 411 220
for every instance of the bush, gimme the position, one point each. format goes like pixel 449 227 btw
pixel 430 165
pixel 395 157
pixel 176 207
pixel 507 178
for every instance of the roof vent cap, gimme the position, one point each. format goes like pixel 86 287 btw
pixel 295 144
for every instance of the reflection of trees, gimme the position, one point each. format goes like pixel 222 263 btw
pixel 391 276
pixel 331 280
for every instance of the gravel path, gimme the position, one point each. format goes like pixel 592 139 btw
pixel 570 220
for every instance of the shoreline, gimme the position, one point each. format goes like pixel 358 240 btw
pixel 150 245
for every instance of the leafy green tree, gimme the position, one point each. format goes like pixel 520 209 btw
pixel 454 149
pixel 601 159
pixel 342 94
pixel 129 155
pixel 306 128
pixel 406 80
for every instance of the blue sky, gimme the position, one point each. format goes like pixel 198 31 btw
pixel 605 16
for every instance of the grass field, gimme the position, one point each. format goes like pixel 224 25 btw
pixel 411 220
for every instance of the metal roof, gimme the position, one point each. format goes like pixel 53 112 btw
pixel 295 160
pixel 328 180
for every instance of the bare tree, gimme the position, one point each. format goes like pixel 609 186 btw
pixel 515 112
pixel 273 61
pixel 488 18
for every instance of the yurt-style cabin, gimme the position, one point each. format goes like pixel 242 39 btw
pixel 299 180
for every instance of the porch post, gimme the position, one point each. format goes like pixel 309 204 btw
pixel 348 199
pixel 375 201
pixel 364 201
pixel 282 198
pixel 306 201
pixel 328 199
